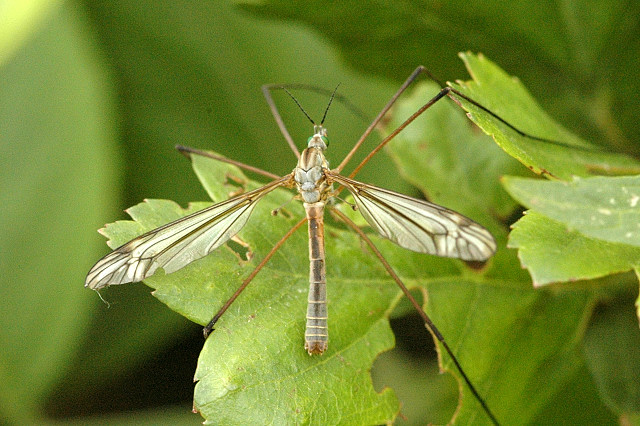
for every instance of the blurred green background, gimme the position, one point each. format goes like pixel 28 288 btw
pixel 94 95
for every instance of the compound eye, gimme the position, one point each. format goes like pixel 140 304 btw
pixel 309 140
pixel 325 140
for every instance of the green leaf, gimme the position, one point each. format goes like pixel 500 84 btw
pixel 256 352
pixel 526 358
pixel 254 367
pixel 599 207
pixel 561 155
pixel 612 352
pixel 18 22
pixel 576 403
pixel 553 253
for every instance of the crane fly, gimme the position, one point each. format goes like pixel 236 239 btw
pixel 411 223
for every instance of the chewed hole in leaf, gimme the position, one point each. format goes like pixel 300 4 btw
pixel 475 265
pixel 236 184
pixel 284 212
pixel 241 249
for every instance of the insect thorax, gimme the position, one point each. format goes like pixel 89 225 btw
pixel 309 176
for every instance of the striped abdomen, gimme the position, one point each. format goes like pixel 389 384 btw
pixel 316 335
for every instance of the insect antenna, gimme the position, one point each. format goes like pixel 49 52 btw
pixel 350 106
pixel 329 104
pixel 326 110
pixel 266 91
pixel 300 106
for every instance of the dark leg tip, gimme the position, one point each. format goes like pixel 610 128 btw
pixel 206 332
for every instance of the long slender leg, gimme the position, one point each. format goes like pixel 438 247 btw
pixel 266 91
pixel 393 134
pixel 187 151
pixel 453 93
pixel 427 321
pixel 209 327
pixel 379 117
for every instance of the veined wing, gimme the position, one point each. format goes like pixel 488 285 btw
pixel 419 225
pixel 178 243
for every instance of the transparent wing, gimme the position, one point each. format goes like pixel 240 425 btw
pixel 178 243
pixel 419 225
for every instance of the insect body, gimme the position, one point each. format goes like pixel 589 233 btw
pixel 314 189
pixel 411 223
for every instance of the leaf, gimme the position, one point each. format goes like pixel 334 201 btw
pixel 612 352
pixel 569 405
pixel 561 155
pixel 258 344
pixel 604 208
pixel 552 253
pixel 526 358
pixel 595 235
